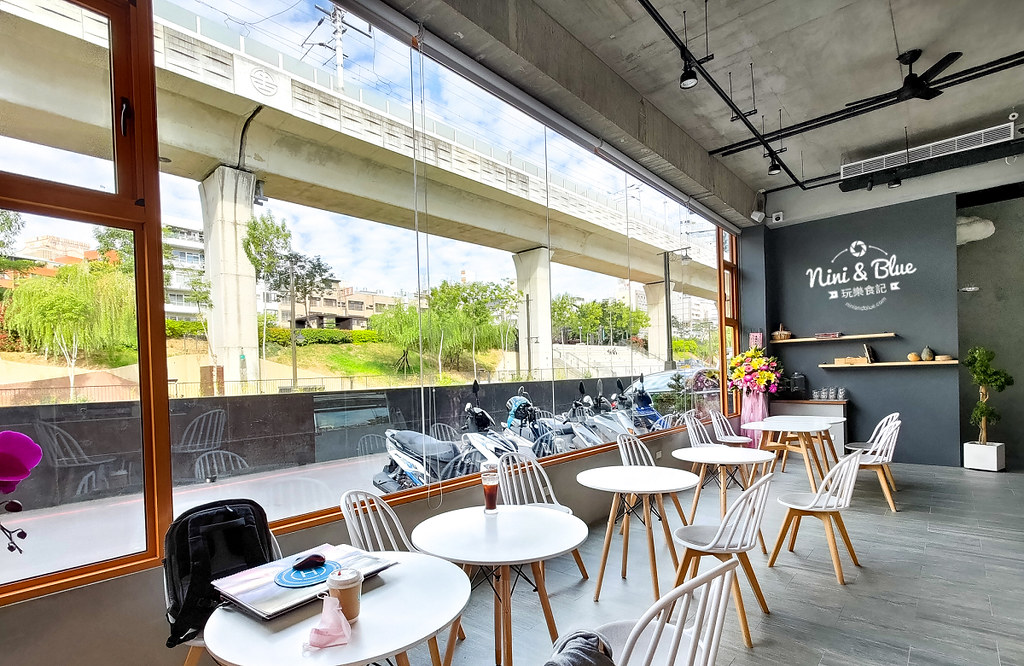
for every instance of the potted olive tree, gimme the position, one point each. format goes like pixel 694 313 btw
pixel 984 454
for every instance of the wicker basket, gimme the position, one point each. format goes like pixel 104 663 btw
pixel 781 334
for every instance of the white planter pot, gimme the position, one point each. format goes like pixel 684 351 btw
pixel 989 457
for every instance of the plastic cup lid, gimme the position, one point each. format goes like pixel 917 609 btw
pixel 344 577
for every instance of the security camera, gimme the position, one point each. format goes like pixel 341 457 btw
pixel 757 216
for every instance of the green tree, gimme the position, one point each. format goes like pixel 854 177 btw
pixel 199 293
pixel 504 299
pixel 399 325
pixel 83 309
pixel 266 244
pixel 564 316
pixel 11 225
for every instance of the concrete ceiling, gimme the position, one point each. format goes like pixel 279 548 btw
pixel 810 58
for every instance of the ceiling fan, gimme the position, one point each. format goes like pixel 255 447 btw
pixel 915 86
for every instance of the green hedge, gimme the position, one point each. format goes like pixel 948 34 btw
pixel 179 329
pixel 322 336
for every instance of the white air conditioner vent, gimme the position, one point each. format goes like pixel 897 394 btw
pixel 957 144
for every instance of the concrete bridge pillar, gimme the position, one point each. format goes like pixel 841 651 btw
pixel 660 331
pixel 226 196
pixel 533 277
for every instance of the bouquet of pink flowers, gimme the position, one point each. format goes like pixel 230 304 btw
pixel 753 372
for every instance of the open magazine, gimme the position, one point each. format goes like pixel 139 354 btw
pixel 256 592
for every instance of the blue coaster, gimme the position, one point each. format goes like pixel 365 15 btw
pixel 291 578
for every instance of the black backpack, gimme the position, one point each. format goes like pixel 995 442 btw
pixel 205 543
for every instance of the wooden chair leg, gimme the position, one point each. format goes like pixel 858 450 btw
pixel 740 611
pixel 684 565
pixel 846 537
pixel 786 522
pixel 888 475
pixel 195 653
pixel 833 549
pixel 792 537
pixel 752 579
pixel 884 482
pixel 579 563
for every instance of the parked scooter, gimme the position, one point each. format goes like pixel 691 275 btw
pixel 610 422
pixel 640 406
pixel 479 422
pixel 545 435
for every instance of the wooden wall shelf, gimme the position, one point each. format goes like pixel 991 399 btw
pixel 890 364
pixel 862 336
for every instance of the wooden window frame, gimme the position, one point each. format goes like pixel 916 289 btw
pixel 728 319
pixel 135 206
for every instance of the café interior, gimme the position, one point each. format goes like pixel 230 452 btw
pixel 807 218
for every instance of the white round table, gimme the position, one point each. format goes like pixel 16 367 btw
pixel 391 620
pixel 514 535
pixel 726 458
pixel 641 481
pixel 805 431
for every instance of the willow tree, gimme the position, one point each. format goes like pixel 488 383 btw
pixel 83 309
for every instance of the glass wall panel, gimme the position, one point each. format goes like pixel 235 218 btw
pixel 69 380
pixel 55 51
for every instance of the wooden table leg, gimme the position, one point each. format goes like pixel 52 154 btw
pixel 813 447
pixel 668 533
pixel 497 579
pixel 435 653
pixel 607 544
pixel 402 659
pixel 723 477
pixel 802 449
pixel 827 436
pixel 679 509
pixel 650 547
pixel 453 634
pixel 630 503
pixel 545 604
pixel 696 492
pixel 506 614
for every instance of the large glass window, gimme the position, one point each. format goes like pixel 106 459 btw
pixel 70 381
pixel 352 236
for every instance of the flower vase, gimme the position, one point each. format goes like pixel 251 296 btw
pixel 755 408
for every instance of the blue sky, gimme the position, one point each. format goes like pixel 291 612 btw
pixel 363 253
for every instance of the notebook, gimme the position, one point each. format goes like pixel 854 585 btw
pixel 255 591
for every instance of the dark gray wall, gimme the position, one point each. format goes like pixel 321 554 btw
pixel 753 303
pixel 993 317
pixel 923 311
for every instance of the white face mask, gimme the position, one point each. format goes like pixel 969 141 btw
pixel 333 629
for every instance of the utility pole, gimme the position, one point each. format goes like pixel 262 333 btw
pixel 295 363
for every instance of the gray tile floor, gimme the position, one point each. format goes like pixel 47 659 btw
pixel 941 581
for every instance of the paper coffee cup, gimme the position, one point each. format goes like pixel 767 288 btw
pixel 346 585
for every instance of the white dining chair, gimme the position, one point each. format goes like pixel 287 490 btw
pixel 653 640
pixel 696 430
pixel 730 539
pixel 877 457
pixel 724 432
pixel 634 452
pixel 371 522
pixel 879 427
pixel 833 496
pixel 523 481
pixel 670 420
pixel 373 525
pixel 445 432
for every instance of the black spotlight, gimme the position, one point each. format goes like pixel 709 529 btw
pixel 895 182
pixel 774 168
pixel 688 79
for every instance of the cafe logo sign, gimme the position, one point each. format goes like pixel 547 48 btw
pixel 861 275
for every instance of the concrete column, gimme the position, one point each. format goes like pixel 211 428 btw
pixel 533 277
pixel 226 196
pixel 659 332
